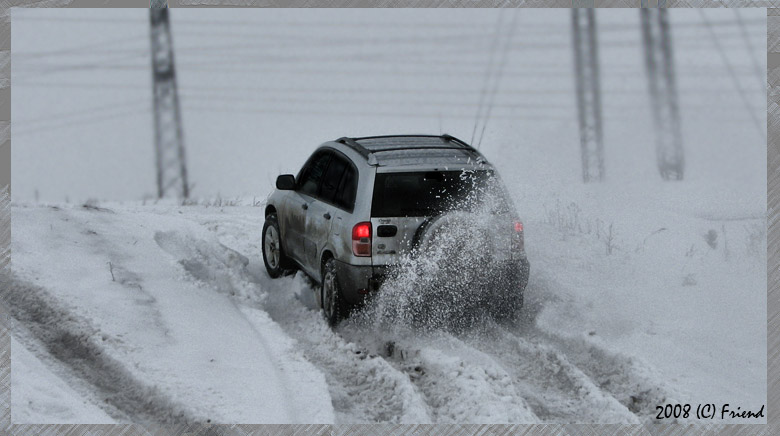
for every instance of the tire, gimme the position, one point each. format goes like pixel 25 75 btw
pixel 334 306
pixel 276 261
pixel 426 235
pixel 515 308
pixel 510 307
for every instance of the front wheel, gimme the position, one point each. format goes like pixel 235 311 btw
pixel 333 305
pixel 276 262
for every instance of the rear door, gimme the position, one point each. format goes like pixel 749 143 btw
pixel 345 206
pixel 395 216
pixel 403 201
pixel 322 211
pixel 299 202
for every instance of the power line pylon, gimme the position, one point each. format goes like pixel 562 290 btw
pixel 659 64
pixel 169 142
pixel 586 72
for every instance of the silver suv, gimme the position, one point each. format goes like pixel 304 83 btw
pixel 359 205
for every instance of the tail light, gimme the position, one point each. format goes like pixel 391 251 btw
pixel 361 239
pixel 518 242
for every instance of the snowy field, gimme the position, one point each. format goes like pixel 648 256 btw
pixel 642 292
pixel 161 312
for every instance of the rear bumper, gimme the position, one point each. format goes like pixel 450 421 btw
pixel 358 282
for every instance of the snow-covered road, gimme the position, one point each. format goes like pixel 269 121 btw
pixel 164 314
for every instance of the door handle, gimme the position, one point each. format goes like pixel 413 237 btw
pixel 327 216
pixel 304 206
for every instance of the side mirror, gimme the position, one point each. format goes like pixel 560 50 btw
pixel 285 182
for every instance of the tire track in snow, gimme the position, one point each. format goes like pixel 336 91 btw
pixel 552 378
pixel 631 383
pixel 76 345
pixel 455 380
pixel 559 380
pixel 474 375
pixel 223 270
pixel 634 385
pixel 206 402
pixel 367 385
pixel 556 389
pixel 363 387
pixel 116 259
pixel 459 383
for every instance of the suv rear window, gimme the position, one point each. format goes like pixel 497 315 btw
pixel 416 194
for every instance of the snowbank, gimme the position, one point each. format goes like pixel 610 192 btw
pixel 138 279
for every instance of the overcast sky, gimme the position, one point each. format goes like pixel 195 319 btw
pixel 261 88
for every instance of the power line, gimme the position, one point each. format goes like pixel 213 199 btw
pixel 497 81
pixel 395 58
pixel 400 114
pixel 98 87
pixel 456 36
pixel 371 112
pixel 272 41
pixel 488 73
pixel 90 120
pixel 562 105
pixel 544 44
pixel 223 50
pixel 758 71
pixel 246 111
pixel 86 117
pixel 85 48
pixel 76 114
pixel 734 77
pixel 211 67
pixel 373 101
pixel 352 24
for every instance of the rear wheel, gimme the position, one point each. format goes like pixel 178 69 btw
pixel 276 262
pixel 333 305
pixel 515 308
pixel 509 308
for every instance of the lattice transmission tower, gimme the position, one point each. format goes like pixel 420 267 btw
pixel 586 72
pixel 659 64
pixel 169 141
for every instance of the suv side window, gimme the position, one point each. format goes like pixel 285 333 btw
pixel 346 193
pixel 311 175
pixel 330 183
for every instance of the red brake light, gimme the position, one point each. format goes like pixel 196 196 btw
pixel 518 241
pixel 361 239
pixel 361 230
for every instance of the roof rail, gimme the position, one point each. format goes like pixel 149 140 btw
pixel 445 136
pixel 369 154
pixel 450 138
pixel 469 149
pixel 351 143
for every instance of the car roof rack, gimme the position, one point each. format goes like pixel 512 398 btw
pixel 351 143
pixel 354 143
